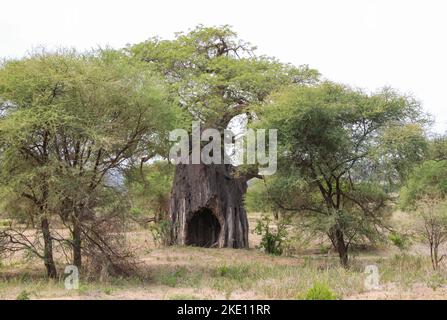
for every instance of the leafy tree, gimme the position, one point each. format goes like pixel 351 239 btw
pixel 70 123
pixel 257 198
pixel 424 194
pixel 437 149
pixel 149 189
pixel 405 147
pixel 215 76
pixel 333 164
pixel 428 179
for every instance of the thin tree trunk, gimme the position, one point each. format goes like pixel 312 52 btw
pixel 434 254
pixel 340 245
pixel 77 237
pixel 48 249
pixel 77 242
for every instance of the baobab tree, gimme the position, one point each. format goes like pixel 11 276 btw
pixel 214 76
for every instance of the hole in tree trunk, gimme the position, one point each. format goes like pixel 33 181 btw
pixel 203 229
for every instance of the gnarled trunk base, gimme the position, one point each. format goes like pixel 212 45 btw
pixel 206 207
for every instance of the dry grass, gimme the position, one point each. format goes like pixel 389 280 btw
pixel 200 273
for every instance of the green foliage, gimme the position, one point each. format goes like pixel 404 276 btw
pixel 337 162
pixel 211 71
pixel 5 223
pixel 89 113
pixel 149 188
pixel 23 295
pixel 234 272
pixel 108 291
pixel 437 148
pixel 436 280
pixel 70 124
pixel 171 279
pixel 273 238
pixel 406 147
pixel 400 240
pixel 257 199
pixel 425 196
pixel 160 232
pixel 319 291
pixel 427 180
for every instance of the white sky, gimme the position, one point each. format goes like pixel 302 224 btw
pixel 364 43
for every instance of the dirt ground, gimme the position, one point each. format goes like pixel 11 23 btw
pixel 201 273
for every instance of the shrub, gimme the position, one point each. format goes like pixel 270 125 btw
pixel 160 232
pixel 272 238
pixel 319 291
pixel 425 194
pixel 24 295
pixel 401 241
pixel 436 281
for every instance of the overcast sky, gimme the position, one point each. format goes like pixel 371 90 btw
pixel 364 43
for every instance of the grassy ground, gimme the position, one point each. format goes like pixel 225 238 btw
pixel 200 273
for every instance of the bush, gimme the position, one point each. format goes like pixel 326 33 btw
pixel 160 232
pixel 24 295
pixel 436 281
pixel 5 222
pixel 272 239
pixel 401 241
pixel 425 194
pixel 319 291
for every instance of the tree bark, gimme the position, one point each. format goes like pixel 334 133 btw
pixel 48 249
pixel 340 245
pixel 76 234
pixel 207 207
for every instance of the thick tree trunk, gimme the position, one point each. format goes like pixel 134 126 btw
pixel 206 207
pixel 48 249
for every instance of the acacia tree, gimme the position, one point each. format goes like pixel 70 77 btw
pixel 334 162
pixel 70 122
pixel 215 77
pixel 149 188
pixel 437 149
pixel 424 194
